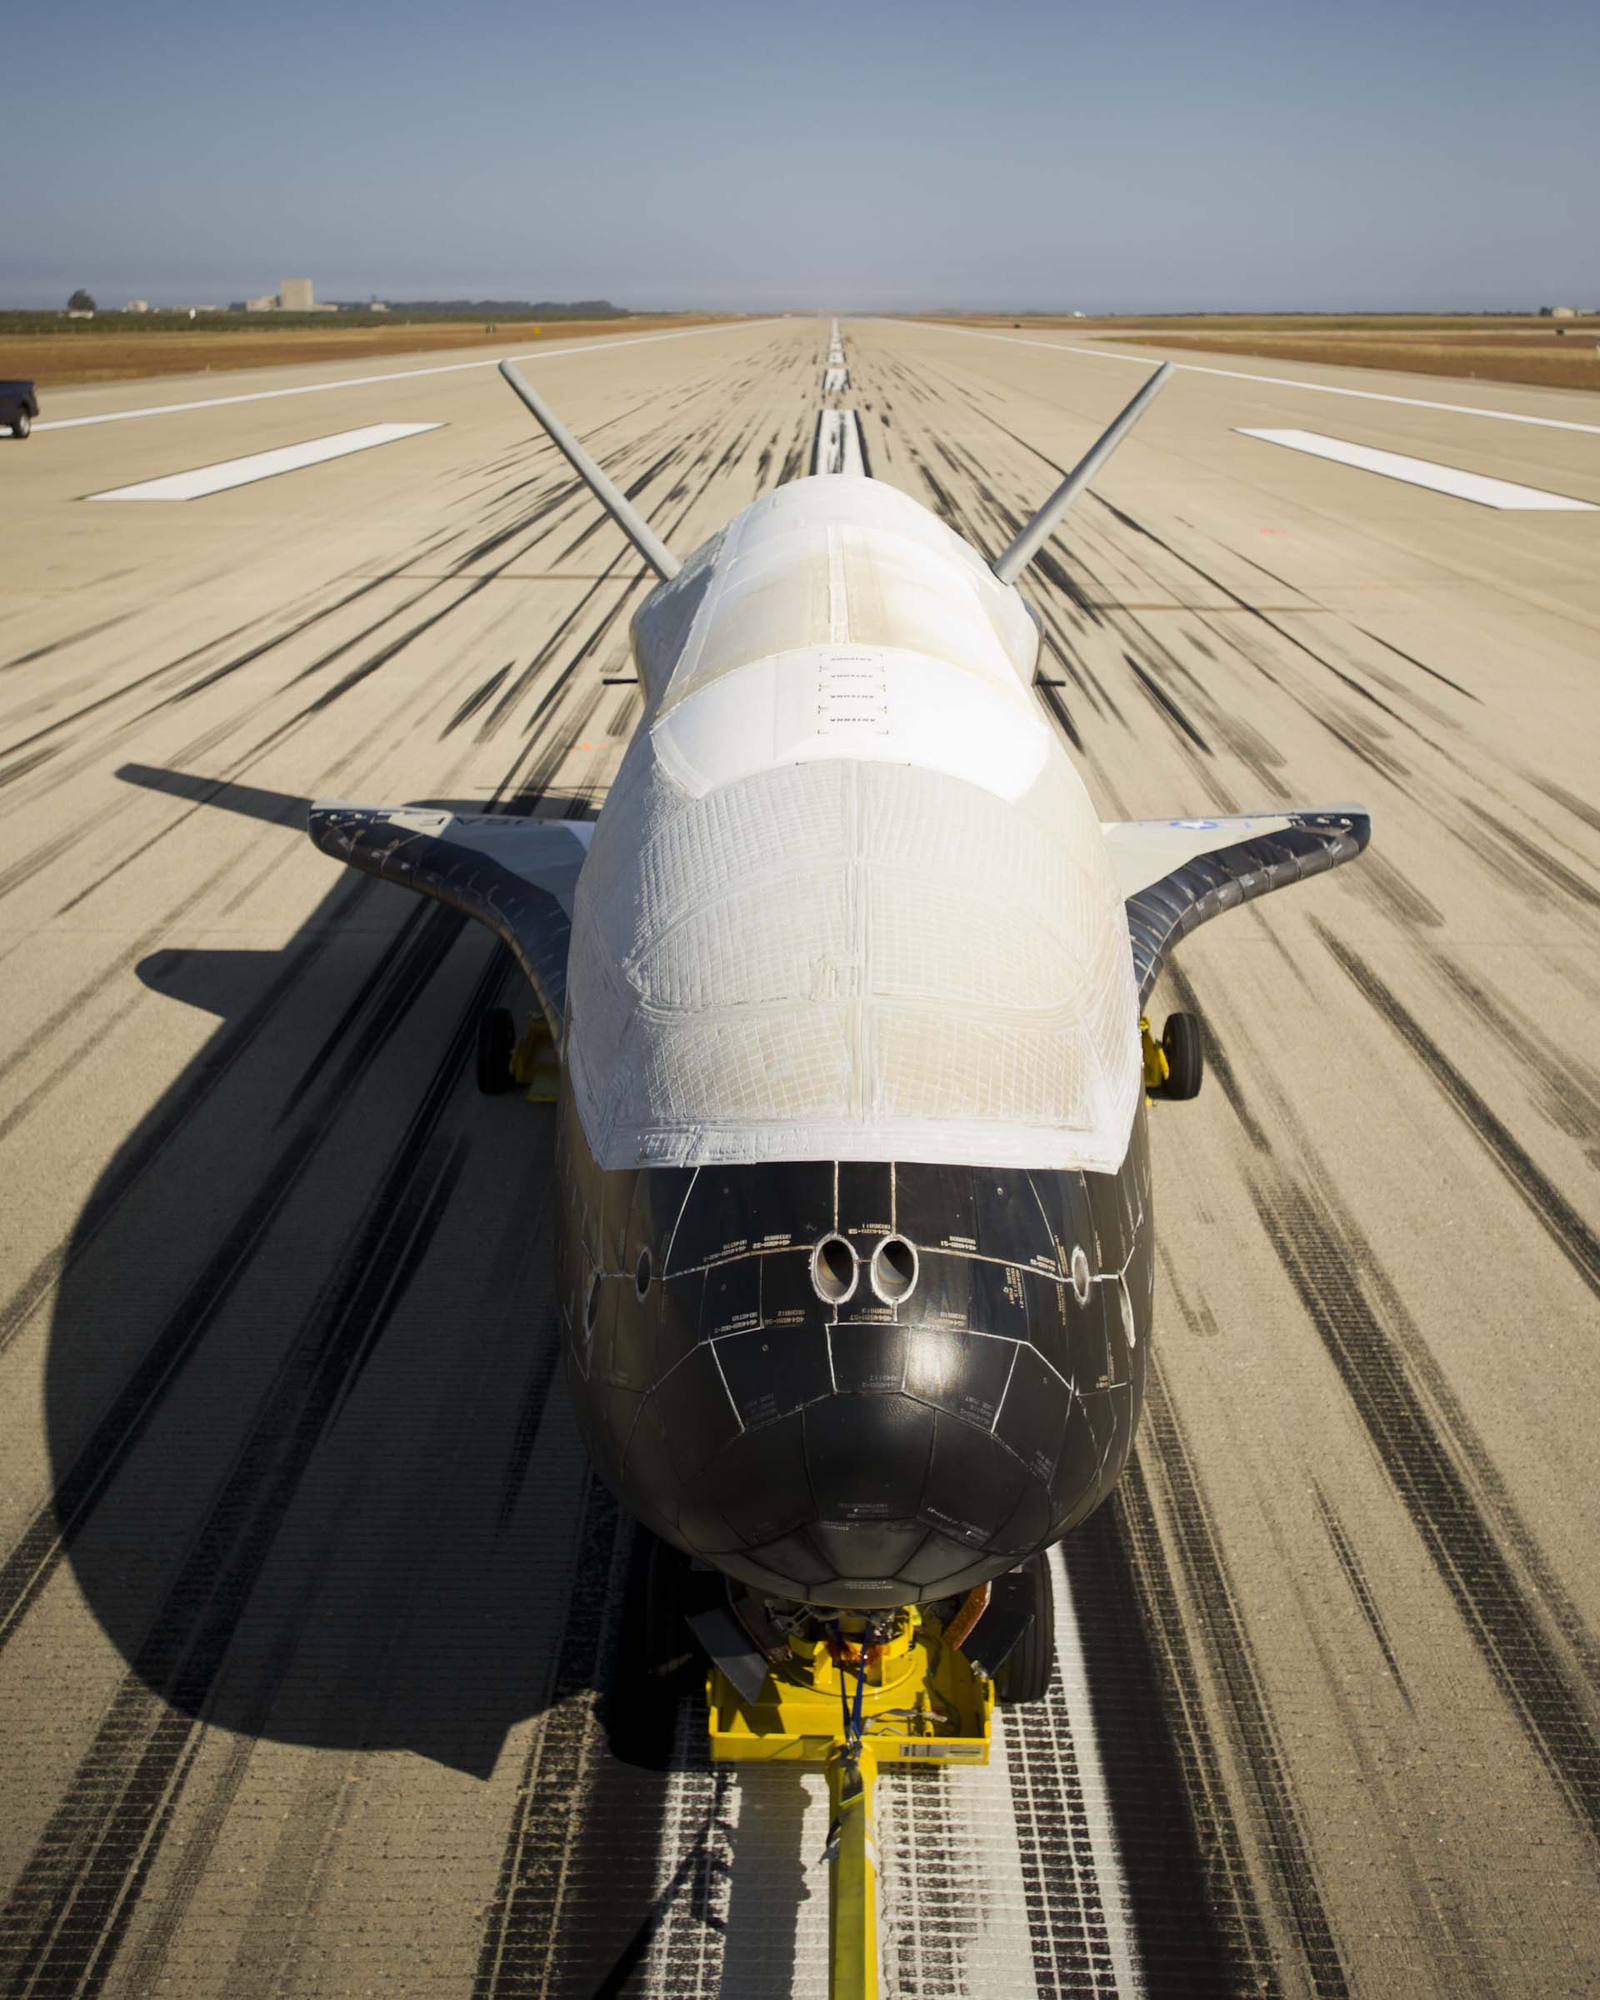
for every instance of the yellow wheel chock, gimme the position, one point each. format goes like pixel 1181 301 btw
pixel 891 1689
pixel 535 1064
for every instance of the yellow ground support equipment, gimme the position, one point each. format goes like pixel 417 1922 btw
pixel 887 1689
pixel 1155 1056
pixel 535 1064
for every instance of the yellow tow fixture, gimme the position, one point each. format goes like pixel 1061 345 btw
pixel 889 1688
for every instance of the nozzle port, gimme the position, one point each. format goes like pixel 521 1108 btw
pixel 894 1270
pixel 833 1270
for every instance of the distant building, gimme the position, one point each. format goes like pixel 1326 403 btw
pixel 1558 312
pixel 137 306
pixel 292 296
pixel 377 306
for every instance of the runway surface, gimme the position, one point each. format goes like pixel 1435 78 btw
pixel 314 1627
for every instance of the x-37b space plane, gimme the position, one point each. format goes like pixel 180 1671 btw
pixel 847 984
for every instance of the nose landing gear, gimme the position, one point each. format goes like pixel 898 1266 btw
pixel 1175 1066
pixel 505 1059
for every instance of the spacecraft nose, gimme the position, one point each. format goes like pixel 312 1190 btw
pixel 868 1386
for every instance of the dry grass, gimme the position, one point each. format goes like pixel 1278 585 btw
pixel 1553 354
pixel 55 361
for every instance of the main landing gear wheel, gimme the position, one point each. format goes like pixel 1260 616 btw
pixel 1183 1045
pixel 497 1041
pixel 1024 1674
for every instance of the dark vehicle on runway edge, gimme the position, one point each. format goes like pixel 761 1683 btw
pixel 18 407
pixel 846 988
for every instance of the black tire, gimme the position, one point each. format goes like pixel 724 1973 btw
pixel 497 1038
pixel 1184 1046
pixel 21 424
pixel 671 1656
pixel 1026 1671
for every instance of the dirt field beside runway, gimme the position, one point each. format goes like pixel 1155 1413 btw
pixel 315 1629
pixel 1552 354
pixel 58 361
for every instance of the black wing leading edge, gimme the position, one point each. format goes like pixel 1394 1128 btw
pixel 1178 873
pixel 515 875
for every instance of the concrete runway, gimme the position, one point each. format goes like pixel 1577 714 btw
pixel 313 1623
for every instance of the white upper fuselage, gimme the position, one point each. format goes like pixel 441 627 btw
pixel 848 898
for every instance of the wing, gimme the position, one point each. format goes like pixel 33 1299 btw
pixel 515 875
pixel 1176 873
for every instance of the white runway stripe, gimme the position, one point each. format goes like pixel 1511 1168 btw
pixel 396 375
pixel 1274 381
pixel 262 464
pixel 838 443
pixel 1110 1881
pixel 1475 486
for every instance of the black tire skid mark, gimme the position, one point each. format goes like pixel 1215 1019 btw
pixel 543 1935
pixel 1565 1087
pixel 1355 1575
pixel 70 1908
pixel 1543 870
pixel 410 962
pixel 153 1138
pixel 59 645
pixel 1165 705
pixel 1503 1622
pixel 1285 1852
pixel 1460 1436
pixel 476 699
pixel 1191 1891
pixel 1581 809
pixel 1561 1222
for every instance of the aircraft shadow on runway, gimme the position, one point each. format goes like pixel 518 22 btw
pixel 291 1517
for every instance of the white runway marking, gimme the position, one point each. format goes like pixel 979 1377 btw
pixel 262 464
pixel 402 375
pixel 1423 472
pixel 838 443
pixel 1112 1882
pixel 1276 381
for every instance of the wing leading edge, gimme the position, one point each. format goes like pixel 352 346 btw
pixel 515 875
pixel 1177 873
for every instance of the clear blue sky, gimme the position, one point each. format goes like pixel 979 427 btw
pixel 1413 154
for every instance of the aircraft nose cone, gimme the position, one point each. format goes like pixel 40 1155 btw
pixel 868 1385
